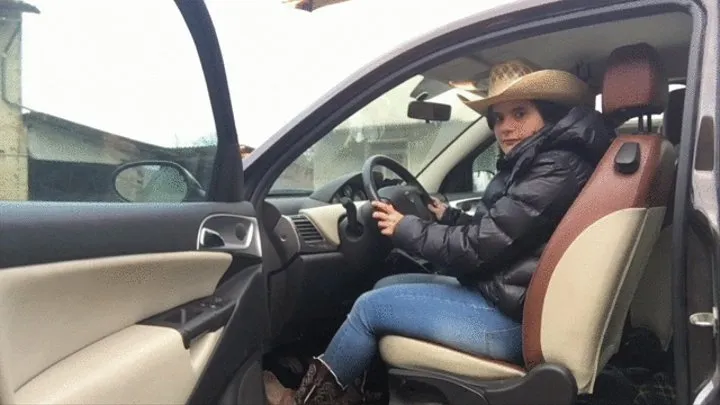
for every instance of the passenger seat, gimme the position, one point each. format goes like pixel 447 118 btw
pixel 652 305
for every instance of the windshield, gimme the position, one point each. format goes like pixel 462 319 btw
pixel 380 128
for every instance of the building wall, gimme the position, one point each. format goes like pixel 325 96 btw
pixel 71 181
pixel 13 139
pixel 71 162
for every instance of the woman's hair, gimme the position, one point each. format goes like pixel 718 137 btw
pixel 550 112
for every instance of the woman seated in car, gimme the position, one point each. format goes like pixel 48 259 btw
pixel 552 139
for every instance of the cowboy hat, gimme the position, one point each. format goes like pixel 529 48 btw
pixel 515 80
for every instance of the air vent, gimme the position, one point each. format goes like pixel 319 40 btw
pixel 306 230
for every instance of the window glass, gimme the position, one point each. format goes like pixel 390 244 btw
pixel 484 167
pixel 89 86
pixel 380 128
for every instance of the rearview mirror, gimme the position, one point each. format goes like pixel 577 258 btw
pixel 427 111
pixel 156 181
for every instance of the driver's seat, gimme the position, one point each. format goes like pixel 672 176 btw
pixel 579 297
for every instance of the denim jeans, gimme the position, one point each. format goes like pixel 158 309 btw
pixel 426 307
pixel 416 278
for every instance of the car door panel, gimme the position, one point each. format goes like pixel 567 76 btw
pixel 121 303
pixel 235 371
pixel 151 300
pixel 70 231
pixel 158 370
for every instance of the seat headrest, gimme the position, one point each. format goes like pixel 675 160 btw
pixel 635 83
pixel 672 120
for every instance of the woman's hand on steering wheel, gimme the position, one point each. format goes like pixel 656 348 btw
pixel 408 199
pixel 387 216
pixel 437 207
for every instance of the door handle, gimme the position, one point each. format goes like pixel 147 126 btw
pixel 230 233
pixel 211 239
pixel 706 320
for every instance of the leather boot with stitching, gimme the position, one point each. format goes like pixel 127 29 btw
pixel 318 387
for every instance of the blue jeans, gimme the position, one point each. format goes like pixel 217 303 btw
pixel 425 307
pixel 416 278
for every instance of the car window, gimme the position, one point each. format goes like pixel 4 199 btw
pixel 381 127
pixel 484 167
pixel 90 86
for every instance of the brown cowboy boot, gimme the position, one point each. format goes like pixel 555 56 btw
pixel 318 387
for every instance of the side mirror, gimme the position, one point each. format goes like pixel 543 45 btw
pixel 427 111
pixel 481 179
pixel 156 181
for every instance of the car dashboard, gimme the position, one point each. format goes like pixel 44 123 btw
pixel 308 224
pixel 335 192
pixel 313 264
pixel 349 191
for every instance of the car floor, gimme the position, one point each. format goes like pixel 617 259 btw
pixel 640 373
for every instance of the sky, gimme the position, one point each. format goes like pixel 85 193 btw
pixel 130 67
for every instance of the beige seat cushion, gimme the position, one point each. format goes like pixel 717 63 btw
pixel 411 354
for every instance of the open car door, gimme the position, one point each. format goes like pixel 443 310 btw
pixel 130 272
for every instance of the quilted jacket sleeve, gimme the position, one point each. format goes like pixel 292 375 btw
pixel 455 216
pixel 532 206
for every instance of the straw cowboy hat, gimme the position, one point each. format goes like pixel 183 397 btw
pixel 515 80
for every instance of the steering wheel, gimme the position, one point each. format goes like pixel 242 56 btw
pixel 409 198
pixel 361 240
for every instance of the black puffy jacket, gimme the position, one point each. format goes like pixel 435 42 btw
pixel 497 249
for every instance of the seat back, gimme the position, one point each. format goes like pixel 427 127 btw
pixel 579 297
pixel 651 307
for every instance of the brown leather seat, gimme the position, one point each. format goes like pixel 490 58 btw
pixel 580 295
pixel 652 305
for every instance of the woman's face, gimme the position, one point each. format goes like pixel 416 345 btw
pixel 514 122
